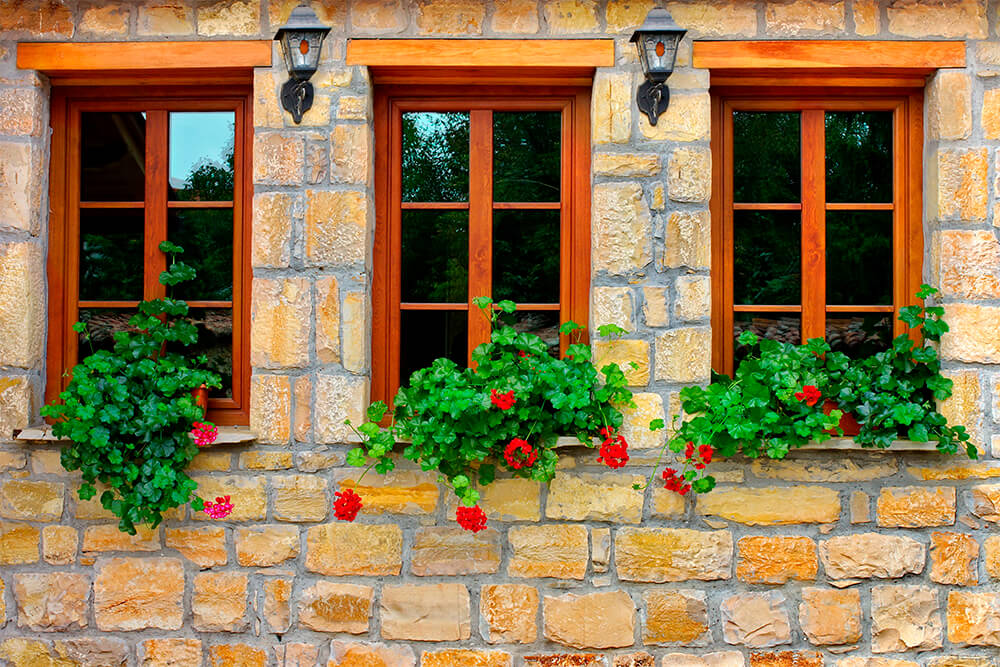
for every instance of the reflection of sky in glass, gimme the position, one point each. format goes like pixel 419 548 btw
pixel 197 137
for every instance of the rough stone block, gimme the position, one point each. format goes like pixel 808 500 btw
pixel 611 107
pixel 205 547
pixel 672 554
pixel 955 19
pixel 694 298
pixel 622 228
pixel 689 175
pixel 278 160
pixel 59 544
pixel 349 654
pixel 336 224
pixel 773 506
pixel 974 618
pixel 683 355
pixel 271 408
pixel 970 338
pixel 831 617
pixel 635 427
pixel 688 118
pixel 108 538
pixel 954 559
pixel 329 607
pixel 465 658
pixel 966 263
pixel 756 620
pixel 595 620
pixel 138 593
pixel 236 655
pixel 991 558
pixel 452 550
pixel 398 492
pixel 277 604
pixel 949 105
pixel 804 17
pixel 625 353
pixel 18 543
pixel 51 601
pixel 338 397
pixel 776 560
pixel 915 507
pixel 22 313
pixel 604 497
pixel 170 653
pixel 512 499
pixel 626 164
pixel 905 618
pixel 515 16
pixel 219 603
pixel 871 555
pixel 867 18
pixel 675 618
pixel 507 613
pixel 611 305
pixel 344 549
pixel 300 498
pixel 436 612
pixel 264 546
pixel 558 551
pixel 31 500
pixel 962 190
pixel 688 240
pixel 281 312
pixel 986 502
pixel 229 18
pixel 247 494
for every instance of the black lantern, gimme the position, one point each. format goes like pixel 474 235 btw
pixel 657 39
pixel 301 40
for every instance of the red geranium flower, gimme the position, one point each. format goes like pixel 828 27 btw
pixel 519 454
pixel 809 395
pixel 346 505
pixel 204 433
pixel 471 518
pixel 614 449
pixel 689 450
pixel 705 452
pixel 220 509
pixel 503 401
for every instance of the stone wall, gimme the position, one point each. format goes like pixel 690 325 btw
pixel 863 560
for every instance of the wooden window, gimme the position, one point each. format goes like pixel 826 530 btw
pixel 816 215
pixel 480 192
pixel 131 168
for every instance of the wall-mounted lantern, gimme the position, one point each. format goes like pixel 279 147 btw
pixel 657 39
pixel 301 41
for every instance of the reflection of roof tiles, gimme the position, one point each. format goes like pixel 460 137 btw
pixel 840 332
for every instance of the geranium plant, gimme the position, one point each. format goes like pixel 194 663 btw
pixel 774 402
pixel 506 411
pixel 129 414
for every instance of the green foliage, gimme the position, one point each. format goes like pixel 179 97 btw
pixel 892 394
pixel 129 411
pixel 446 412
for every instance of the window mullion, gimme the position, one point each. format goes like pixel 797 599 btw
pixel 155 261
pixel 813 224
pixel 480 221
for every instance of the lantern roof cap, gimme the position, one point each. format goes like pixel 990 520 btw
pixel 657 20
pixel 302 18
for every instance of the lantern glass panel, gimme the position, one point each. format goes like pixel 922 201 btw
pixel 657 55
pixel 301 51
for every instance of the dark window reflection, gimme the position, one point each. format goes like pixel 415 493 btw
pixel 112 156
pixel 201 155
pixel 766 157
pixel 859 156
pixel 425 335
pixel 767 257
pixel 102 324
pixel 435 156
pixel 542 323
pixel 782 327
pixel 215 341
pixel 526 156
pixel 111 244
pixel 526 256
pixel 859 258
pixel 859 334
pixel 207 238
pixel 435 265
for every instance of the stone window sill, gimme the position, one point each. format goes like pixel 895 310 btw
pixel 228 435
pixel 833 444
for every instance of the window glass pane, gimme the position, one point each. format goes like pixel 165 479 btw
pixel 859 334
pixel 435 266
pixel 425 335
pixel 215 341
pixel 201 155
pixel 542 323
pixel 859 258
pixel 102 324
pixel 112 156
pixel 783 327
pixel 767 257
pixel 207 238
pixel 526 256
pixel 526 156
pixel 766 157
pixel 435 156
pixel 111 254
pixel 859 156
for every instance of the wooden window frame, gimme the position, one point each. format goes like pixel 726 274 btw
pixel 574 291
pixel 799 92
pixel 63 262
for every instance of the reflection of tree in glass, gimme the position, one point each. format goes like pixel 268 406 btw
pixel 859 156
pixel 110 255
pixel 210 180
pixel 435 262
pixel 526 156
pixel 766 157
pixel 767 257
pixel 860 335
pixel 526 256
pixel 435 157
pixel 859 258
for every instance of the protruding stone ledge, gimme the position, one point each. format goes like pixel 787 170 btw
pixel 228 435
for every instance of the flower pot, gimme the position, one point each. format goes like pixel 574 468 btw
pixel 200 396
pixel 848 424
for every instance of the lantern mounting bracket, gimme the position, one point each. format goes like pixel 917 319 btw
pixel 652 99
pixel 297 98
